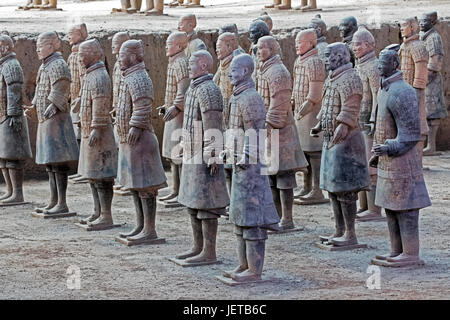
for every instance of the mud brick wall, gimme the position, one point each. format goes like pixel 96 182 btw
pixel 156 63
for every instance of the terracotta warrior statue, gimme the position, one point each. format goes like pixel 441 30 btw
pixel 275 87
pixel 309 76
pixel 31 4
pixel 347 28
pixel 189 3
pixel 56 144
pixel 134 7
pixel 268 20
pixel 140 168
pixel 321 30
pixel 15 147
pixel 188 23
pixel 344 165
pixel 154 7
pixel 252 210
pixel 434 91
pixel 124 6
pixel 173 109
pixel 258 29
pixel 231 27
pixel 226 44
pixel 49 4
pixel 413 62
pixel 401 187
pixel 203 189
pixel 307 5
pixel 77 34
pixel 280 5
pixel 98 149
pixel 363 45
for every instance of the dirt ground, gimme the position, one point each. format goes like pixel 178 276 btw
pixel 35 255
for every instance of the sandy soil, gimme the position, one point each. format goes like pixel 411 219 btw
pixel 35 255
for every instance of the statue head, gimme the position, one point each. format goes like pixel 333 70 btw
pixel 267 48
pixel 187 23
pixel 319 25
pixel 428 20
pixel 267 19
pixel 348 26
pixel 336 55
pixel 408 27
pixel 176 42
pixel 226 44
pixel 363 42
pixel 90 52
pixel 229 27
pixel 241 69
pixel 118 39
pixel 388 62
pixel 47 44
pixel 131 53
pixel 77 34
pixel 6 45
pixel 200 64
pixel 258 29
pixel 305 41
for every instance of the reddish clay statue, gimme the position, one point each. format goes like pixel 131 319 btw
pixel 188 23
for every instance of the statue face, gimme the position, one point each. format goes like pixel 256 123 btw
pixel 172 48
pixel 238 73
pixel 360 47
pixel 316 27
pixel 425 24
pixel 222 50
pixel 115 47
pixel 302 46
pixel 385 66
pixel 196 68
pixel 185 25
pixel 127 58
pixel 74 36
pixel 4 49
pixel 264 51
pixel 44 48
pixel 406 29
pixel 332 59
pixel 346 28
pixel 255 33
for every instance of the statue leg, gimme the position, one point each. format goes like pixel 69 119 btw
pixel 53 191
pixel 197 235
pixel 194 3
pixel 148 232
pixel 285 6
pixel 273 5
pixel 61 187
pixel 431 138
pixel 338 217
pixel 241 253
pixel 373 211
pixel 16 176
pixel 135 6
pixel 362 197
pixel 349 213
pixel 307 179
pixel 7 179
pixel 208 253
pixel 394 235
pixel 139 216
pixel 125 4
pixel 315 192
pixel 255 257
pixel 409 231
pixel 150 5
pixel 287 202
pixel 303 3
pixel 175 169
pixel 105 194
pixel 97 209
pixel 275 194
pixel 312 5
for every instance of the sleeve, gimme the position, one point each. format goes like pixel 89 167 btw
pixel 13 76
pixel 351 95
pixel 182 87
pixel 420 58
pixel 280 88
pixel 101 98
pixel 142 99
pixel 211 107
pixel 59 94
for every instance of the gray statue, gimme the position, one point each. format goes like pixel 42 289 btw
pixel 56 144
pixel 344 165
pixel 347 27
pixel 321 29
pixel 257 30
pixel 401 187
pixel 203 189
pixel 188 23
pixel 15 147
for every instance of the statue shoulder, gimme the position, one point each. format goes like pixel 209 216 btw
pixel 12 71
pixel 58 70
pixel 209 96
pixel 181 67
pixel 315 68
pixel 140 85
pixel 279 78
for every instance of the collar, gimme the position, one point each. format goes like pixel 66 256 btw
pixel 321 39
pixel 310 53
pixel 268 63
pixel 386 82
pixel 76 47
pixel 191 36
pixel 7 57
pixel 425 35
pixel 175 56
pixel 226 61
pixel 337 72
pixel 243 86
pixel 367 57
pixel 411 38
pixel 136 67
pixel 348 39
pixel 201 79
pixel 54 56
pixel 95 66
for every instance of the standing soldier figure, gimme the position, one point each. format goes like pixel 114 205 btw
pixel 275 87
pixel 309 75
pixel 188 23
pixel 321 29
pixel 173 109
pixel 15 147
pixel 258 29
pixel 56 144
pixel 140 168
pixel 434 92
pixel 77 35
pixel 363 45
pixel 98 149
pixel 343 170
pixel 347 28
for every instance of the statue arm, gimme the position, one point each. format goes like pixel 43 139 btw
pixel 59 94
pixel 182 87
pixel 350 110
pixel 142 109
pixel 435 63
pixel 14 94
pixel 277 113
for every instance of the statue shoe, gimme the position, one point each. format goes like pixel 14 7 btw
pixel 269 6
pixel 344 241
pixel 230 273
pixel 91 218
pixel 368 215
pixel 246 276
pixel 385 256
pixel 190 253
pixel 283 7
pixel 101 222
pixel 286 225
pixel 57 209
pixel 168 197
pixel 153 12
pixel 403 257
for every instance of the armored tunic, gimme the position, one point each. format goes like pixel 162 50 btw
pixel 140 166
pixel 434 92
pixel 274 79
pixel 176 86
pixel 14 145
pixel 99 161
pixel 223 82
pixel 309 71
pixel 400 185
pixel 251 198
pixel 366 67
pixel 202 143
pixel 194 44
pixel 116 81
pixel 413 55
pixel 76 72
pixel 343 166
pixel 56 142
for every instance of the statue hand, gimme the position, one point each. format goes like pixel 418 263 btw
pixel 171 113
pixel 340 133
pixel 112 113
pixel 94 137
pixel 373 161
pixel 28 111
pixel 75 105
pixel 161 110
pixel 316 130
pixel 242 164
pixel 369 128
pixel 380 149
pixel 133 135
pixel 50 111
pixel 213 167
pixel 16 123
pixel 305 108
